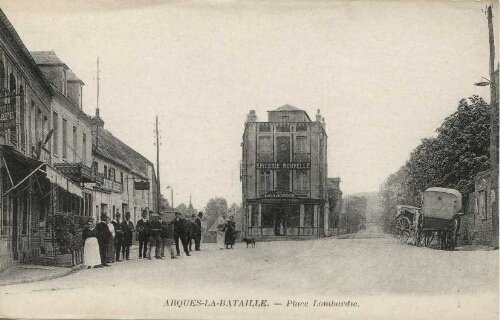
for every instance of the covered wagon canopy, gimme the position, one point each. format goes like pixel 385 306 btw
pixel 442 203
pixel 402 208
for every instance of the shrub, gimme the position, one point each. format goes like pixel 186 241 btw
pixel 67 229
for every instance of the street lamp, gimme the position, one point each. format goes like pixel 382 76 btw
pixel 483 83
pixel 171 196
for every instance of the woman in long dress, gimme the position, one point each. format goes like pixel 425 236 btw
pixel 221 230
pixel 91 257
pixel 230 236
pixel 111 254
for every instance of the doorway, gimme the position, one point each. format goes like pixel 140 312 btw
pixel 14 228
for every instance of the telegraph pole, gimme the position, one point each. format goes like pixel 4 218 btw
pixel 158 199
pixel 493 128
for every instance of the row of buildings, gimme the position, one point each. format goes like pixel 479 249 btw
pixel 54 157
pixel 284 172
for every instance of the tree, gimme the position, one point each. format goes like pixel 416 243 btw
pixel 181 208
pixel 451 160
pixel 214 207
pixel 164 204
pixel 356 213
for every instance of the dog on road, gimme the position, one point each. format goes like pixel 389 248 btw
pixel 249 241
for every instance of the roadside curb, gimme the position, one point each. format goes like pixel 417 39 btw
pixel 64 272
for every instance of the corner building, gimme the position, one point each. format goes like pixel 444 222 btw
pixel 284 175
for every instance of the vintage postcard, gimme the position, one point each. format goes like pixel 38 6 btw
pixel 249 159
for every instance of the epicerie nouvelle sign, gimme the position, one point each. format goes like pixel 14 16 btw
pixel 284 165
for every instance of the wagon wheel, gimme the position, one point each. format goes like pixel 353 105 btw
pixel 403 229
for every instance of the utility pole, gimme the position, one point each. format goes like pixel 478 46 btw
pixel 493 128
pixel 158 199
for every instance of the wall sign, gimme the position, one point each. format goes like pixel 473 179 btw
pixel 284 165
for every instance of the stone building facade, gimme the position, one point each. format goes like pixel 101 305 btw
pixel 47 158
pixel 284 175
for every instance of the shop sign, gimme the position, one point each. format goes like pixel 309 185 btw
pixel 284 165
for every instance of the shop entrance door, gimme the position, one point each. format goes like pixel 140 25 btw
pixel 14 228
pixel 279 220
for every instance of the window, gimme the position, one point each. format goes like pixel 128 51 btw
pixel 75 145
pixel 267 216
pixel 121 177
pixel 12 108
pixel 55 136
pixel 308 215
pixel 265 182
pixel 254 222
pixel 265 149
pixel 22 117
pixel 285 119
pixel 293 212
pixel 301 149
pixel 482 206
pixel 301 182
pixel 96 166
pixel 283 180
pixel 283 149
pixel 111 175
pixel 84 148
pixel 106 172
pixel 65 137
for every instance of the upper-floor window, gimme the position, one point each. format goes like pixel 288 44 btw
pixel 106 172
pixel 301 152
pixel 301 182
pixel 65 137
pixel 84 148
pixel 22 117
pixel 121 177
pixel 55 135
pixel 285 119
pixel 265 182
pixel 265 149
pixel 75 145
pixel 96 166
pixel 111 175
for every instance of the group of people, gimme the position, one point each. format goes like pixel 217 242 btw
pixel 104 242
pixel 226 231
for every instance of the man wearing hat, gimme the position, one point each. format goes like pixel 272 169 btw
pixel 128 229
pixel 103 236
pixel 143 236
pixel 117 224
pixel 180 233
pixel 197 239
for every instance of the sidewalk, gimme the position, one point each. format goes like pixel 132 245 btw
pixel 24 273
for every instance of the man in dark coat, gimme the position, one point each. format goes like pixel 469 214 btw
pixel 118 236
pixel 143 236
pixel 103 236
pixel 197 238
pixel 163 234
pixel 189 232
pixel 155 237
pixel 180 232
pixel 128 229
pixel 168 240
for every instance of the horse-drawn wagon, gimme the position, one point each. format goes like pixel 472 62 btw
pixel 439 218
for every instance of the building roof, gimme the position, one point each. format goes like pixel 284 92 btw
pixel 47 58
pixel 286 107
pixel 71 77
pixel 24 51
pixel 115 150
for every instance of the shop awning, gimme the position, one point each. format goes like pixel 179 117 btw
pixel 20 168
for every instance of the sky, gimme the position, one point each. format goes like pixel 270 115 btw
pixel 385 74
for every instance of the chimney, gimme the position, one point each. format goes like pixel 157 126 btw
pixel 318 116
pixel 252 117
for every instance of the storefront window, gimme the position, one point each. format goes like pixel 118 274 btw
pixel 308 215
pixel 267 216
pixel 293 216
